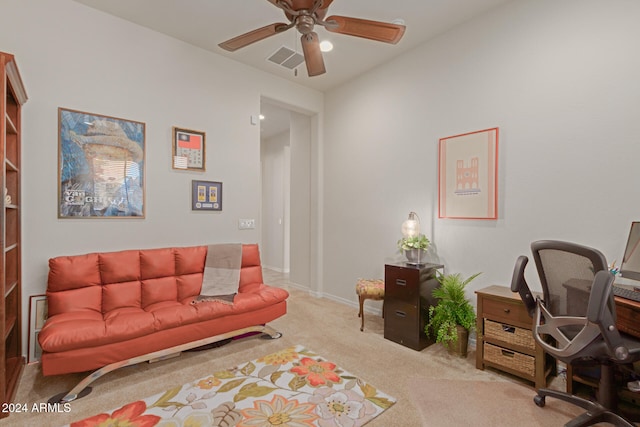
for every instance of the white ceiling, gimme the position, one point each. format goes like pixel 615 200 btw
pixel 205 23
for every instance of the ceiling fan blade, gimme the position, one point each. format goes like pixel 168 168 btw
pixel 253 36
pixel 302 4
pixel 372 30
pixel 275 2
pixel 325 4
pixel 312 54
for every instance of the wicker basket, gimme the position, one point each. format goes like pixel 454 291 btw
pixel 510 359
pixel 509 334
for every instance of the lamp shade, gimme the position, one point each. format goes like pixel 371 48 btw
pixel 411 226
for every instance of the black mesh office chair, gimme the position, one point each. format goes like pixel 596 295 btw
pixel 575 321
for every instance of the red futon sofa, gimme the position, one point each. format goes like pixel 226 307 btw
pixel 117 308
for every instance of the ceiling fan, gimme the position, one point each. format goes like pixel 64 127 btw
pixel 304 15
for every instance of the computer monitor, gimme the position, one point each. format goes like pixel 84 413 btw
pixel 630 267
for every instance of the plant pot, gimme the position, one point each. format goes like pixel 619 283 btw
pixel 460 346
pixel 416 256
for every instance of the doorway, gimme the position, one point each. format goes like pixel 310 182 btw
pixel 275 159
pixel 286 217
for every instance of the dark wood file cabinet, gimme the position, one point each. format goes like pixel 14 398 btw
pixel 407 299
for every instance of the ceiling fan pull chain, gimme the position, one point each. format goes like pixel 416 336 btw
pixel 295 48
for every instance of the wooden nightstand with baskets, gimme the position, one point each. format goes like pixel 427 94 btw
pixel 505 339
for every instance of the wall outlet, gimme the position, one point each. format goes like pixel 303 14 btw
pixel 246 224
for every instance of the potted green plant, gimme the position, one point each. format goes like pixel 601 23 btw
pixel 451 319
pixel 414 248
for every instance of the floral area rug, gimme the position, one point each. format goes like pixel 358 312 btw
pixel 290 388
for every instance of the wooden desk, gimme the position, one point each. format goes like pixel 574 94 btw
pixel 628 316
pixel 628 321
pixel 628 311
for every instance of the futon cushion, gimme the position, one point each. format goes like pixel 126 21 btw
pixel 80 329
pixel 121 295
pixel 159 290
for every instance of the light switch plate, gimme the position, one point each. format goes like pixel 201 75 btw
pixel 246 224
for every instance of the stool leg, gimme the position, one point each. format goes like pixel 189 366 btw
pixel 361 314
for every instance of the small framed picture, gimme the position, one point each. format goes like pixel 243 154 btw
pixel 37 317
pixel 188 149
pixel 206 196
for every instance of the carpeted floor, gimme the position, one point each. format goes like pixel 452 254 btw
pixel 329 328
pixel 484 403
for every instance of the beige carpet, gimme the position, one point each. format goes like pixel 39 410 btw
pixel 484 403
pixel 330 328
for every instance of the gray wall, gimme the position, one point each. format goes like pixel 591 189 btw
pixel 560 80
pixel 275 201
pixel 300 202
pixel 75 57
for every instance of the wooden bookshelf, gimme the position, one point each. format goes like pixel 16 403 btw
pixel 13 96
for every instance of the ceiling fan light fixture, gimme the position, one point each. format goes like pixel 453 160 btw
pixel 326 46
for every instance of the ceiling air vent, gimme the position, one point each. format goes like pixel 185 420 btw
pixel 286 57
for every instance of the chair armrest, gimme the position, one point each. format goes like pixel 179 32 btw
pixel 601 311
pixel 519 285
pixel 598 307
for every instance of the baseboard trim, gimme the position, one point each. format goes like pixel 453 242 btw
pixel 367 308
pixel 276 269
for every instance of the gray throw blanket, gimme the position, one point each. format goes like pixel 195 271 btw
pixel 221 277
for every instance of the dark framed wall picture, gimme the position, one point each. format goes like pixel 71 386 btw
pixel 188 149
pixel 206 196
pixel 100 166
pixel 37 317
pixel 468 175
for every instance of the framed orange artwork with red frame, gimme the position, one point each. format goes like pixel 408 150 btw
pixel 468 175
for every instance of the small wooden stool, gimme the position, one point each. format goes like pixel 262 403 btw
pixel 369 289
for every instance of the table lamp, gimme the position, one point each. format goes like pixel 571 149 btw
pixel 411 226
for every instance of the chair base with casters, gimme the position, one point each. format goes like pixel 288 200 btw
pixel 597 412
pixel 369 289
